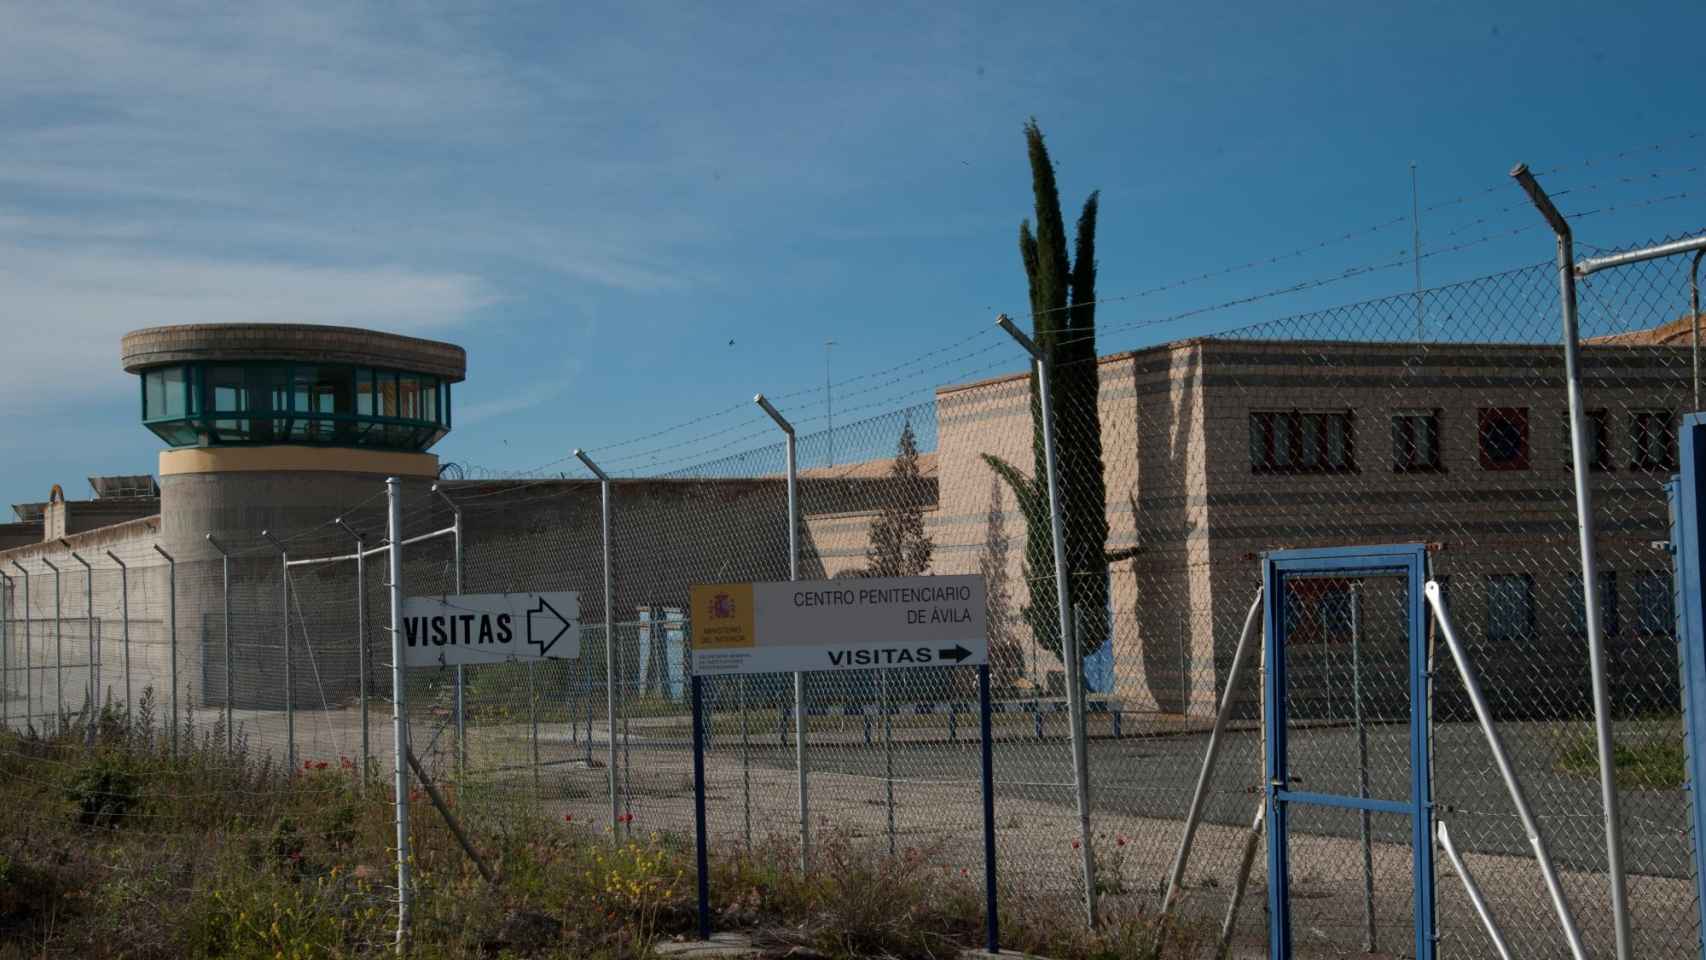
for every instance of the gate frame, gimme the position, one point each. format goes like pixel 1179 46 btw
pixel 1686 544
pixel 1411 561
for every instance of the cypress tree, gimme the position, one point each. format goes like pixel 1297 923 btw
pixel 899 546
pixel 1063 322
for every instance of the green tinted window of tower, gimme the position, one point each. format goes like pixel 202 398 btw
pixel 272 402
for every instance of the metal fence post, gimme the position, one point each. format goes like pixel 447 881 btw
pixel 701 855
pixel 172 637
pixel 399 716
pixel 461 683
pixel 801 708
pixel 289 661
pixel 1069 639
pixel 29 659
pixel 124 614
pixel 1694 320
pixel 5 652
pixel 225 590
pixel 986 763
pixel 58 651
pixel 1589 555
pixel 612 664
pixel 888 758
pixel 94 689
pixel 745 763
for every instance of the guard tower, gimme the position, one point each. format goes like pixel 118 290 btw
pixel 249 412
pixel 279 427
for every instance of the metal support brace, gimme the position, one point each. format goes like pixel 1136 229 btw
pixel 1473 890
pixel 461 679
pixel 172 636
pixel 58 650
pixel 1530 826
pixel 124 608
pixel 1228 700
pixel 363 658
pixel 289 661
pixel 92 693
pixel 230 660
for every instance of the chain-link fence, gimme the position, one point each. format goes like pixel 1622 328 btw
pixel 1435 417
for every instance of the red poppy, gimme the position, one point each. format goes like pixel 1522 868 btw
pixel 568 818
pixel 625 818
pixel 1075 844
pixel 1119 841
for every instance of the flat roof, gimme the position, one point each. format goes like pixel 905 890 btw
pixel 314 343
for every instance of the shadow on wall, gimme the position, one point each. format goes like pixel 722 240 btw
pixel 1163 591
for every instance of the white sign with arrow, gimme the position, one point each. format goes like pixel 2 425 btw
pixel 850 624
pixel 475 628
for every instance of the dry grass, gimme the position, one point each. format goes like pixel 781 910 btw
pixel 122 850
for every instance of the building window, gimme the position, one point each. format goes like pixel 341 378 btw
pixel 1510 607
pixel 1302 442
pixel 1652 439
pixel 1597 425
pixel 1415 441
pixel 1607 604
pixel 163 393
pixel 1504 438
pixel 1318 610
pixel 1655 609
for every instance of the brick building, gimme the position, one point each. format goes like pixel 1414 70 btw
pixel 1216 450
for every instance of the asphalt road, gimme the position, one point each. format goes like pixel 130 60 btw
pixel 1154 777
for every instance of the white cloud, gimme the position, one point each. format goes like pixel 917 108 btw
pixel 529 396
pixel 304 64
pixel 64 311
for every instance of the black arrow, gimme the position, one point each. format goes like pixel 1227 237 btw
pixel 955 653
pixel 545 646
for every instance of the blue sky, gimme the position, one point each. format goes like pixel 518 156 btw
pixel 595 199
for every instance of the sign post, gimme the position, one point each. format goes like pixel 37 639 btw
pixel 831 625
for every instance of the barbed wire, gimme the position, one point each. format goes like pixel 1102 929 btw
pixel 1401 257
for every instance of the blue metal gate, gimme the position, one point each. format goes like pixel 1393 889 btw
pixel 1686 543
pixel 1350 856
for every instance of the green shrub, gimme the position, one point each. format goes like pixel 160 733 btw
pixel 104 791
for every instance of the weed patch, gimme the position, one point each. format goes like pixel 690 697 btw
pixel 1656 761
pixel 125 848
